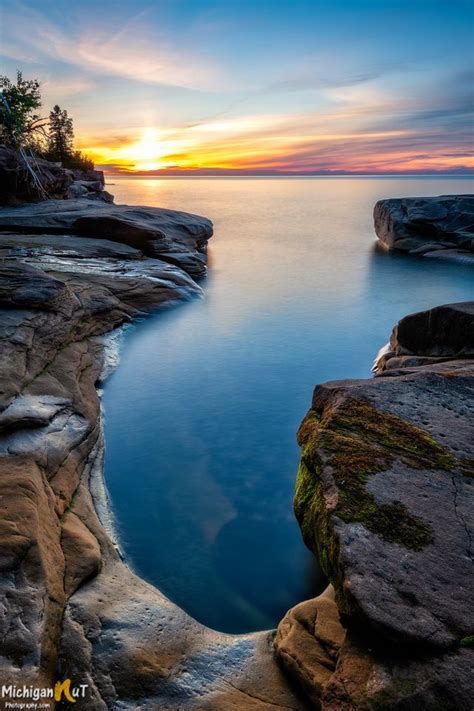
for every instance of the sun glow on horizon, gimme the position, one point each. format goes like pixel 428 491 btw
pixel 147 152
pixel 202 86
pixel 260 143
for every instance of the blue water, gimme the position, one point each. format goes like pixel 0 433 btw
pixel 201 415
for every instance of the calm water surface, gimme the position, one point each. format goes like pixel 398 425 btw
pixel 201 415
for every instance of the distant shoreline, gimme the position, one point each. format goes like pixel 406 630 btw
pixel 162 176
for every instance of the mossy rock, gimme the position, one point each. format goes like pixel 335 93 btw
pixel 347 443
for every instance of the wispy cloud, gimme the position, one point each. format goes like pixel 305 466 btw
pixel 131 49
pixel 366 130
pixel 209 85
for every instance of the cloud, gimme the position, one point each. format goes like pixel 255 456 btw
pixel 69 85
pixel 341 115
pixel 310 80
pixel 371 131
pixel 132 50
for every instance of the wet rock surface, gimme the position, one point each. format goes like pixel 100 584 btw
pixel 175 237
pixel 385 499
pixel 429 226
pixel 70 606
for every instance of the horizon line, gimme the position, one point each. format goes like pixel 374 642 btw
pixel 229 173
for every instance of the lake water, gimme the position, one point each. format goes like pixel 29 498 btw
pixel 201 414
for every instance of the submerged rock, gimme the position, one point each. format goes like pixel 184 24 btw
pixel 428 226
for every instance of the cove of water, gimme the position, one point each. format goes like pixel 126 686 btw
pixel 201 414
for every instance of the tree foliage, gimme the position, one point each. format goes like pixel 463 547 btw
pixel 60 134
pixel 19 119
pixel 77 160
pixel 22 126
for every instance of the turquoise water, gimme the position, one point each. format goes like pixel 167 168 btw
pixel 201 415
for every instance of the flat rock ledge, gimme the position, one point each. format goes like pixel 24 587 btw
pixel 435 227
pixel 174 237
pixel 385 499
pixel 70 607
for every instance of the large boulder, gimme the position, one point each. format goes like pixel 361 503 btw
pixel 428 226
pixel 385 499
pixel 446 330
pixel 176 237
pixel 429 337
pixel 384 496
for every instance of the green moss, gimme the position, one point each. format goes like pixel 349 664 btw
pixel 357 441
pixel 359 418
pixel 467 467
pixel 353 460
pixel 316 528
pixel 467 641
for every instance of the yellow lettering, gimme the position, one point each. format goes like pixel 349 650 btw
pixel 61 688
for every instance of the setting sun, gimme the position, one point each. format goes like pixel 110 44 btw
pixel 146 152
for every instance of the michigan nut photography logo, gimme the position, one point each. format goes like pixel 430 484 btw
pixel 36 697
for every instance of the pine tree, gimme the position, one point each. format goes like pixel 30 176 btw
pixel 60 134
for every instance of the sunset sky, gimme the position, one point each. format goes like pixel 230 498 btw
pixel 293 85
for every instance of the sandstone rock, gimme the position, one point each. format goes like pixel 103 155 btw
pixel 428 225
pixel 308 641
pixel 16 185
pixel 24 287
pixel 62 246
pixel 69 605
pixel 102 196
pixel 81 552
pixel 77 190
pixel 89 190
pixel 32 566
pixel 429 337
pixel 89 176
pixel 376 678
pixel 176 237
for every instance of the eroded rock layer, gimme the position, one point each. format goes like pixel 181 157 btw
pixel 70 607
pixel 175 237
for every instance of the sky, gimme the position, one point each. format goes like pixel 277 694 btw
pixel 295 86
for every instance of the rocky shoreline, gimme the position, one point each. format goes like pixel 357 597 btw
pixel 385 499
pixel 59 293
pixel 392 632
